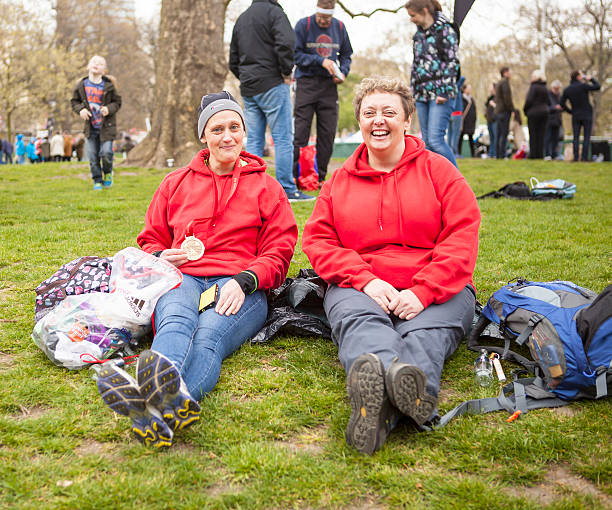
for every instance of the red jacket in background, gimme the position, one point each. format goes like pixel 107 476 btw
pixel 415 227
pixel 254 230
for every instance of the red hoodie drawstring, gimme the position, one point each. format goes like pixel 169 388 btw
pixel 380 203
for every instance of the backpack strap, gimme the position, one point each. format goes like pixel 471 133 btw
pixel 522 395
pixel 601 382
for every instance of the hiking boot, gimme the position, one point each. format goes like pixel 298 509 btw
pixel 120 392
pixel 372 416
pixel 298 196
pixel 162 387
pixel 107 181
pixel 97 186
pixel 406 385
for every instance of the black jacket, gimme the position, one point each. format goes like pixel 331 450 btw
pixel 578 94
pixel 261 51
pixel 537 102
pixel 110 98
pixel 503 97
pixel 469 116
pixel 490 109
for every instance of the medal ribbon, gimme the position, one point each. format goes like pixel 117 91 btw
pixel 216 212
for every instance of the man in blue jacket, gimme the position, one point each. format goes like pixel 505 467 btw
pixel 582 112
pixel 323 59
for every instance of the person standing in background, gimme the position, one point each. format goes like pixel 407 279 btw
pixel 96 101
pixel 435 71
pixel 20 149
pixel 553 127
pixel 456 119
pixel 537 104
pixel 7 148
pixel 582 112
pixel 503 111
pixel 469 118
pixel 57 147
pixel 261 57
pixel 491 124
pixel 323 60
pixel 67 146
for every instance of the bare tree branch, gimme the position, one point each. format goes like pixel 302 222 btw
pixel 367 14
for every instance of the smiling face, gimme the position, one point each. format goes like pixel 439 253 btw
pixel 223 134
pixel 323 20
pixel 383 122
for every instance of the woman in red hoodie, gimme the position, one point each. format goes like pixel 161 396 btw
pixel 229 228
pixel 395 234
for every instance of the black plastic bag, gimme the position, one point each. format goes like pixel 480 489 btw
pixel 296 308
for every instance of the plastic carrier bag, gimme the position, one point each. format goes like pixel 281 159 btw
pixel 86 327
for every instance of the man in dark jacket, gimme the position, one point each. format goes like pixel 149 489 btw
pixel 582 112
pixel 553 127
pixel 503 110
pixel 323 59
pixel 96 101
pixel 261 57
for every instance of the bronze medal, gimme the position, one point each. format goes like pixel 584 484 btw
pixel 193 246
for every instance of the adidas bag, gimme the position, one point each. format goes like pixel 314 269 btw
pixel 88 327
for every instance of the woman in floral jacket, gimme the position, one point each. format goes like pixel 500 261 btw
pixel 435 71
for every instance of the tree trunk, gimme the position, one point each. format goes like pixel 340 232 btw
pixel 190 63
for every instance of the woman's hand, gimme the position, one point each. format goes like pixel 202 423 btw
pixel 175 256
pixel 441 100
pixel 382 292
pixel 231 298
pixel 406 305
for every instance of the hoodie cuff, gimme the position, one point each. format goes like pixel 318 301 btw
pixel 362 279
pixel 424 294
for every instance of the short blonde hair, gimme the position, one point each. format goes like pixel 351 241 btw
pixel 383 84
pixel 538 74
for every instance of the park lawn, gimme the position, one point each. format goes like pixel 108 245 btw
pixel 272 432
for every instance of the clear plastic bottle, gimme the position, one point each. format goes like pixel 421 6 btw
pixel 483 369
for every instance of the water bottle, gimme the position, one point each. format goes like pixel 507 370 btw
pixel 483 369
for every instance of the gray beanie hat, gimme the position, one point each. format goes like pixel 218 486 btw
pixel 214 103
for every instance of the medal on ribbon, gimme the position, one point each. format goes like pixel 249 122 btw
pixel 193 247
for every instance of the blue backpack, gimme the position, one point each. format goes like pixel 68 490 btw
pixel 568 332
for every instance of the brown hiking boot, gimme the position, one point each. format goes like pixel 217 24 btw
pixel 406 386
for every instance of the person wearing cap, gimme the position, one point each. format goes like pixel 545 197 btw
pixel 323 60
pixel 261 57
pixel 224 222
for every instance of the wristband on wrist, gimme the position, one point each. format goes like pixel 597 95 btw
pixel 248 281
pixel 157 253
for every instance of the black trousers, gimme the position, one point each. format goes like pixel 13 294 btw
pixel 470 141
pixel 537 132
pixel 315 95
pixel 503 125
pixel 586 124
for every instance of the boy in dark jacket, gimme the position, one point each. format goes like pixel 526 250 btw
pixel 582 112
pixel 96 101
pixel 321 42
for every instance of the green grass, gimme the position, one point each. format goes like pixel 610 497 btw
pixel 272 431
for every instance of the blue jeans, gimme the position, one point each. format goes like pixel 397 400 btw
pixel 453 133
pixel 434 119
pixel 197 343
pixel 20 159
pixel 502 121
pixel 492 127
pixel 99 152
pixel 272 107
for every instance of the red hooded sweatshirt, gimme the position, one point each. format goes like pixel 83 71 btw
pixel 415 227
pixel 243 218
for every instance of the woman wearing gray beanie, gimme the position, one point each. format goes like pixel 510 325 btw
pixel 229 228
